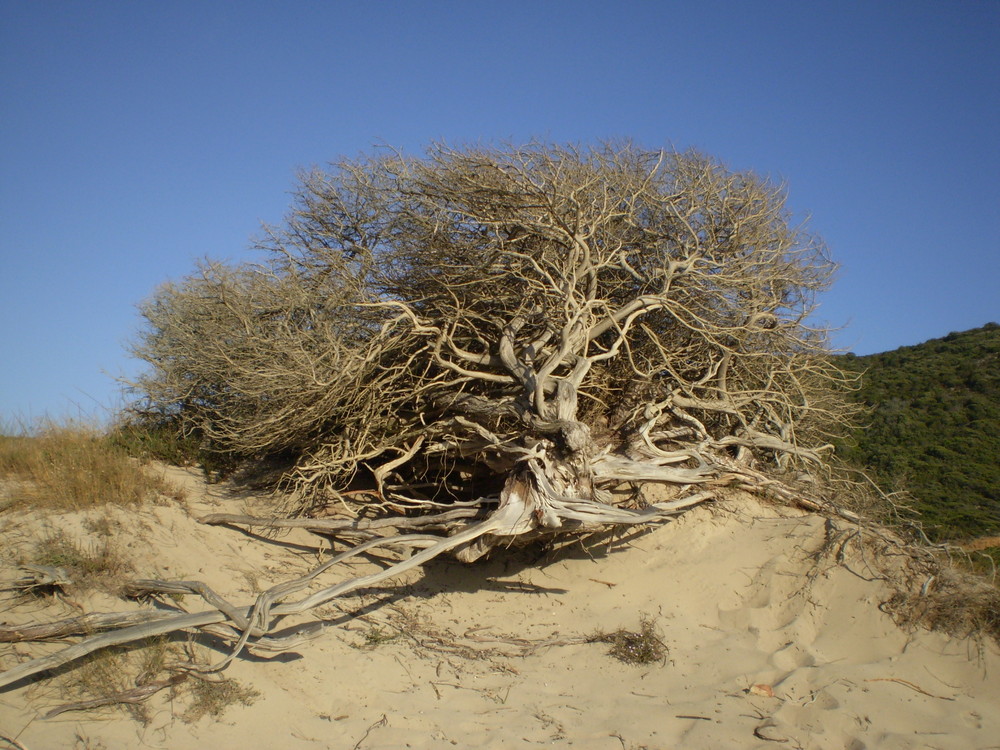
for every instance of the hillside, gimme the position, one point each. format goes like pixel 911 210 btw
pixel 934 429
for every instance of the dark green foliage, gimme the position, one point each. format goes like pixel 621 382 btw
pixel 152 436
pixel 934 429
pixel 157 439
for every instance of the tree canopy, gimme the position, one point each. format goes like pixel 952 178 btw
pixel 538 322
pixel 451 351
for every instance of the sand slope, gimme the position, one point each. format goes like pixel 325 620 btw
pixel 452 658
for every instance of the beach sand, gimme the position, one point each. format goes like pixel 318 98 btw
pixel 768 641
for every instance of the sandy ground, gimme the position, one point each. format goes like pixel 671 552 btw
pixel 767 644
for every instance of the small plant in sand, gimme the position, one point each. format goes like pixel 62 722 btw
pixel 98 562
pixel 213 697
pixel 375 637
pixel 634 647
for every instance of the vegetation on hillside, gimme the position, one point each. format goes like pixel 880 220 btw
pixel 933 430
pixel 72 466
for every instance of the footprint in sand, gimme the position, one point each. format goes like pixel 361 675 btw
pixel 792 656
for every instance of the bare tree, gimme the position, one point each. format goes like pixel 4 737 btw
pixel 542 318
pixel 487 343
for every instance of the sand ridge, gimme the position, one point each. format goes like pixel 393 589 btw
pixel 769 644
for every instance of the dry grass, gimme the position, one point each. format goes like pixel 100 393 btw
pixel 937 587
pixel 116 678
pixel 72 466
pixel 213 697
pixel 110 673
pixel 634 647
pixel 97 564
pixel 955 602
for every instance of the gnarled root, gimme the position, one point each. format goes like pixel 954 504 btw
pixel 531 500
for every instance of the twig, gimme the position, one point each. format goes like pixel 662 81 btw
pixel 953 687
pixel 134 696
pixel 911 686
pixel 380 723
pixel 606 583
pixel 12 742
pixel 761 733
pixel 528 646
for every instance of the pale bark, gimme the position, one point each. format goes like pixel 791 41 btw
pixel 496 336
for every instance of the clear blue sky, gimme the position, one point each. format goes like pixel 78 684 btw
pixel 139 137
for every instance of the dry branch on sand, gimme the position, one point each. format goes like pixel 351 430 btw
pixel 487 345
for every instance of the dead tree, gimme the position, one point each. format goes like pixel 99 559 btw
pixel 486 343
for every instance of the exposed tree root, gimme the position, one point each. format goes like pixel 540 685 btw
pixel 136 695
pixel 484 346
pixel 522 510
pixel 85 624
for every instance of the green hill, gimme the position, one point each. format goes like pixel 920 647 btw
pixel 934 429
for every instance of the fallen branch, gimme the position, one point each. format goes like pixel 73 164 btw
pixel 380 723
pixel 39 576
pixel 326 525
pixel 77 625
pixel 910 685
pixel 12 742
pixel 134 696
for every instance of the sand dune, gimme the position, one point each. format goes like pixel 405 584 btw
pixel 769 644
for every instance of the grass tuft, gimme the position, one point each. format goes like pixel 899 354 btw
pixel 634 647
pixel 213 697
pixel 375 637
pixel 108 674
pixel 956 603
pixel 98 563
pixel 71 466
